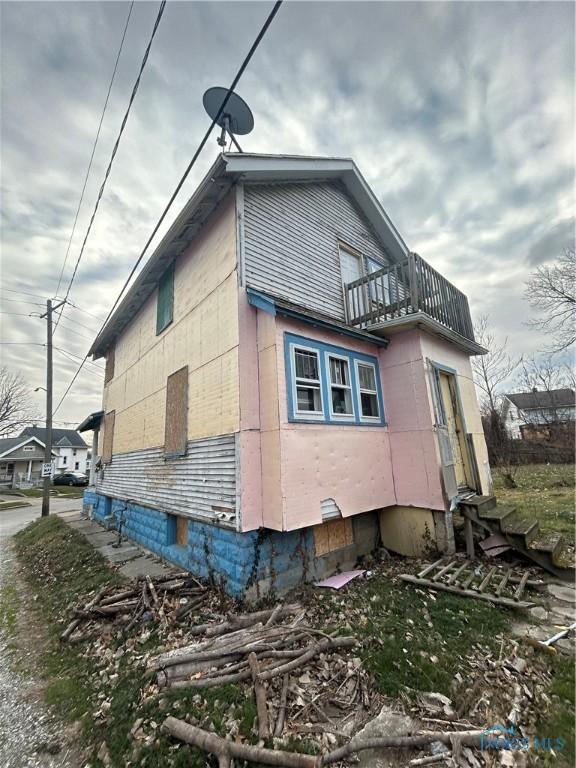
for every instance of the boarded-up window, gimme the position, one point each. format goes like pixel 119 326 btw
pixel 333 535
pixel 109 372
pixel 182 531
pixel 165 305
pixel 108 440
pixel 176 429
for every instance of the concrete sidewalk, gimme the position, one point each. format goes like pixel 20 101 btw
pixel 133 561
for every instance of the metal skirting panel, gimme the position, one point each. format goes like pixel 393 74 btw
pixel 201 484
pixel 291 242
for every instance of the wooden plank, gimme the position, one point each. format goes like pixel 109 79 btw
pixel 488 598
pixel 176 423
pixel 468 580
pixel 454 576
pixel 521 585
pixel 444 570
pixel 108 439
pixel 469 535
pixel 504 580
pixel 487 579
pixel 430 568
pixel 109 371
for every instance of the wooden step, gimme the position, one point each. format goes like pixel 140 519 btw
pixel 497 514
pixel 548 543
pixel 526 529
pixel 480 503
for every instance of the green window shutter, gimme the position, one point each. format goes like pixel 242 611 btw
pixel 165 305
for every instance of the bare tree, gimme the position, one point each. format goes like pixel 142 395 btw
pixel 552 415
pixel 491 371
pixel 551 290
pixel 16 409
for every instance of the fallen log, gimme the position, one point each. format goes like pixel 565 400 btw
pixel 118 597
pixel 225 750
pixel 468 738
pixel 241 621
pixel 260 696
pixel 279 727
pixel 75 622
pixel 323 645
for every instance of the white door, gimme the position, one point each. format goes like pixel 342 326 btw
pixel 351 269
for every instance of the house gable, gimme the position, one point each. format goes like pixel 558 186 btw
pixel 292 237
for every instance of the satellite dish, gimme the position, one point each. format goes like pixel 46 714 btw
pixel 236 117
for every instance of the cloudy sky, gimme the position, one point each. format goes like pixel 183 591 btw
pixel 460 115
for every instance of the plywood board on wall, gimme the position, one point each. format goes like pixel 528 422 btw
pixel 176 423
pixel 333 535
pixel 108 441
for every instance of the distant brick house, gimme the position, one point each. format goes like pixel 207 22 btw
pixel 531 415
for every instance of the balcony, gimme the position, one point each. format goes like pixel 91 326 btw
pixel 406 294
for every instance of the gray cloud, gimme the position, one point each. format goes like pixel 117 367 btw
pixel 460 115
pixel 553 243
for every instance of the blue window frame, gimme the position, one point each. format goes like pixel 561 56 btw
pixel 331 385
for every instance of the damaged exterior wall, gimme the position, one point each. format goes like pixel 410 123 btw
pixel 203 335
pixel 247 565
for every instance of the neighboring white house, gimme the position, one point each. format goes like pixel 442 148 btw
pixel 537 408
pixel 21 460
pixel 71 450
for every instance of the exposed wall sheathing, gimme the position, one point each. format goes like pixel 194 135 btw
pixel 203 336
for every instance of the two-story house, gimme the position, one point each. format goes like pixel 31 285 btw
pixel 286 383
pixel 532 414
pixel 71 450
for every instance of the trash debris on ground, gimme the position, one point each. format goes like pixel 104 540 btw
pixel 494 545
pixel 548 645
pixel 339 580
pixel 493 584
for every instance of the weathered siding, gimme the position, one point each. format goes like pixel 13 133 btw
pixel 201 484
pixel 291 242
pixel 203 336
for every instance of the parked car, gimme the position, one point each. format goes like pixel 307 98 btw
pixel 71 478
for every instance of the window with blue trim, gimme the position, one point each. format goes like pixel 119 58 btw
pixel 331 384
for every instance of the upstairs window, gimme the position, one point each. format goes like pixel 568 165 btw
pixel 330 384
pixel 307 379
pixel 165 305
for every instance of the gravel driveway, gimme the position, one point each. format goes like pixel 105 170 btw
pixel 30 735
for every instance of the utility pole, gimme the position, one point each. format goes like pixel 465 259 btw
pixel 48 444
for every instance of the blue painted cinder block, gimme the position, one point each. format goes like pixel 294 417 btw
pixel 242 563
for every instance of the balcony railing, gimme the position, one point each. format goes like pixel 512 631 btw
pixel 404 289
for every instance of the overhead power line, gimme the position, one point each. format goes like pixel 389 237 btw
pixel 115 149
pixel 95 144
pixel 205 138
pixel 24 293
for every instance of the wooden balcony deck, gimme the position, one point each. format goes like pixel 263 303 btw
pixel 403 290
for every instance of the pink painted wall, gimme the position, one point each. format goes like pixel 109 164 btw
pixel 287 469
pixel 413 444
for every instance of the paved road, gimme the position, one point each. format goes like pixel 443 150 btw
pixel 12 520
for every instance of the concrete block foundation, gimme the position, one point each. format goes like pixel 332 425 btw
pixel 246 565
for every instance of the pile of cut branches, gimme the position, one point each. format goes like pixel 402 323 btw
pixel 165 600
